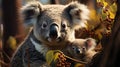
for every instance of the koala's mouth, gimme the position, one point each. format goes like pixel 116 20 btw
pixel 58 39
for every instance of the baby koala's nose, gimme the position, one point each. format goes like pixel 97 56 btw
pixel 53 31
pixel 78 51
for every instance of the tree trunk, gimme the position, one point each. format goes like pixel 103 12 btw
pixel 12 24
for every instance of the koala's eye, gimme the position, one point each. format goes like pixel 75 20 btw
pixel 44 25
pixel 64 25
pixel 73 48
pixel 84 49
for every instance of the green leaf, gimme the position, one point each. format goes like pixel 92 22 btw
pixel 49 56
pixel 52 56
pixel 56 56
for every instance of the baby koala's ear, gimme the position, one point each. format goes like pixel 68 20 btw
pixel 79 14
pixel 30 12
pixel 90 44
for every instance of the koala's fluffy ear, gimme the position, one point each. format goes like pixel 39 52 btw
pixel 90 44
pixel 30 12
pixel 78 13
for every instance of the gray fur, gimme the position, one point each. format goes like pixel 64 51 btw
pixel 47 20
pixel 82 49
pixel 27 54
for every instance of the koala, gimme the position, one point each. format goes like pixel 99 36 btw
pixel 53 26
pixel 82 49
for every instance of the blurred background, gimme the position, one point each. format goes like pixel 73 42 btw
pixel 13 32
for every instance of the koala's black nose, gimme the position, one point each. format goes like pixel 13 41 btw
pixel 53 31
pixel 78 51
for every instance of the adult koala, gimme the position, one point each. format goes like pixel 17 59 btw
pixel 53 27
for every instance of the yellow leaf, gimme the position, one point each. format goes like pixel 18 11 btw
pixel 52 56
pixel 110 2
pixel 79 65
pixel 12 42
pixel 105 3
pixel 112 10
pixel 114 7
pixel 56 56
pixel 100 0
pixel 94 19
pixel 112 16
pixel 93 15
pixel 49 56
pixel 99 36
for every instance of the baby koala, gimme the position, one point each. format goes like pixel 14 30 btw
pixel 82 49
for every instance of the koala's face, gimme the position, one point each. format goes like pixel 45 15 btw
pixel 55 24
pixel 82 49
pixel 51 27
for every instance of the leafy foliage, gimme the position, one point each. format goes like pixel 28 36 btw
pixel 56 58
pixel 101 21
pixel 107 13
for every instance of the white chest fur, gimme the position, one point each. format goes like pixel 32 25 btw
pixel 39 47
